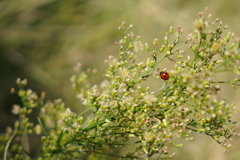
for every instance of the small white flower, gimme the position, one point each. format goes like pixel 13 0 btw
pixel 138 46
pixel 16 109
pixel 150 99
pixel 68 111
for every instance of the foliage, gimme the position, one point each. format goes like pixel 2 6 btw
pixel 123 112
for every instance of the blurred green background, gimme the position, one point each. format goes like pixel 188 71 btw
pixel 43 40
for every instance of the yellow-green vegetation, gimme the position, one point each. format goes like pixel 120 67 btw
pixel 122 111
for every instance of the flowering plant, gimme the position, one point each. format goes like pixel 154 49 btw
pixel 123 111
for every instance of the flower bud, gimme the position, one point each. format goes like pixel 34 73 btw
pixel 198 24
pixel 216 47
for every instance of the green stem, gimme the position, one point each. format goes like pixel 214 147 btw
pixel 42 126
pixel 220 65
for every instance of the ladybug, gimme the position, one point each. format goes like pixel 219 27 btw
pixel 164 75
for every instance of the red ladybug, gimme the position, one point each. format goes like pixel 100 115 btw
pixel 164 75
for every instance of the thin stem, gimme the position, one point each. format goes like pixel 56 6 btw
pixel 42 126
pixel 161 88
pixel 146 73
pixel 113 155
pixel 211 135
pixel 86 110
pixel 220 65
pixel 221 82
pixel 7 145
